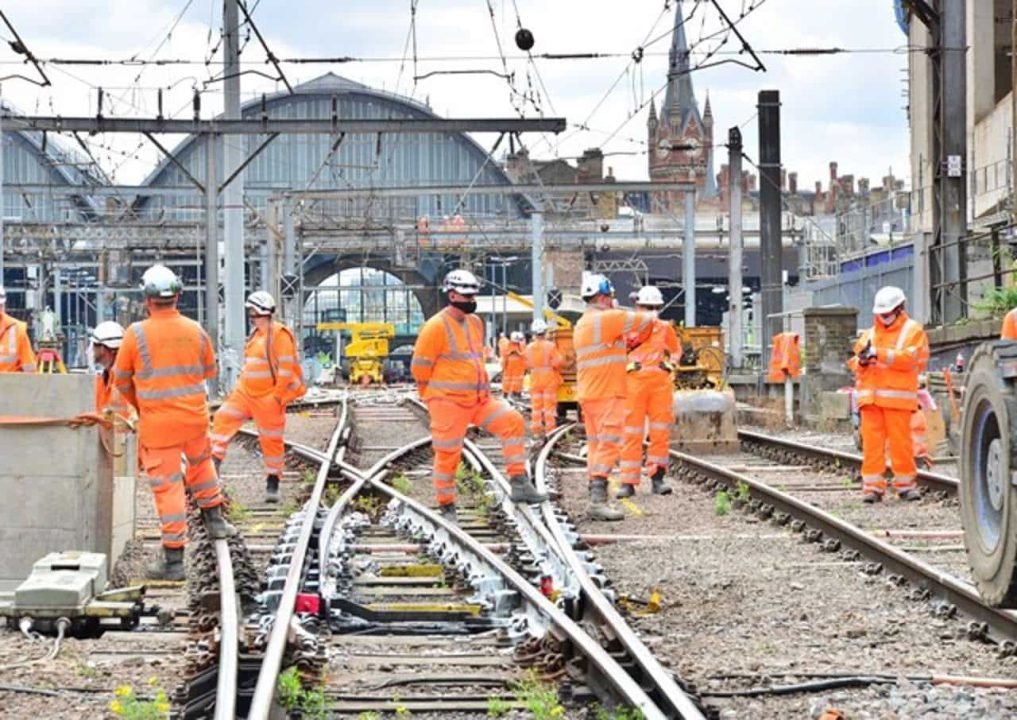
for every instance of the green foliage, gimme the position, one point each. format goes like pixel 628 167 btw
pixel 722 503
pixel 539 698
pixel 294 697
pixel 370 505
pixel 623 712
pixel 742 492
pixel 238 512
pixel 402 484
pixel 997 301
pixel 127 705
pixel 310 477
pixel 496 707
pixel 367 716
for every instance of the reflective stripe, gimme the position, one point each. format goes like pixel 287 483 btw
pixel 172 392
pixel 285 373
pixel 452 444
pixel 503 409
pixel 265 432
pixel 630 464
pixel 146 359
pixel 513 459
pixel 422 362
pixel 890 355
pixel 446 385
pixel 461 356
pixel 174 537
pixel 657 459
pixel 443 476
pixel 29 368
pixel 257 374
pixel 660 426
pixel 449 333
pixel 610 438
pixel 171 371
pixel 897 394
pixel 596 469
pixel 514 440
pixel 612 359
pixel 232 411
pixel 206 503
pixel 160 481
pixel 904 332
pixel 175 517
pixel 632 429
pixel 286 358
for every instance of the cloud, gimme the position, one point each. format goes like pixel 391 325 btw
pixel 843 107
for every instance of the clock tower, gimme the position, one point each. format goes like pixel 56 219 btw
pixel 680 139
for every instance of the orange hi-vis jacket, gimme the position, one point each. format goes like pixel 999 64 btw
pixel 543 360
pixel 448 359
pixel 513 362
pixel 272 368
pixel 161 370
pixel 15 348
pixel 660 347
pixel 785 357
pixel 600 342
pixel 891 381
pixel 107 397
pixel 1009 331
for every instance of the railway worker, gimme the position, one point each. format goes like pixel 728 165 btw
pixel 270 379
pixel 161 371
pixel 1009 331
pixel 542 360
pixel 650 400
pixel 106 340
pixel 513 366
pixel 15 346
pixel 600 340
pixel 503 343
pixel 448 365
pixel 890 356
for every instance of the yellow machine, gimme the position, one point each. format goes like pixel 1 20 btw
pixel 562 330
pixel 702 362
pixel 367 349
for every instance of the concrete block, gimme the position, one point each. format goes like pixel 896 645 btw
pixel 57 481
pixel 834 406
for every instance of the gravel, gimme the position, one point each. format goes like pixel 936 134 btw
pixel 741 596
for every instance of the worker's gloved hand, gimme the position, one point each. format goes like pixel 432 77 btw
pixel 867 355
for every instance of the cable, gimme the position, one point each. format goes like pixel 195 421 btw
pixel 62 626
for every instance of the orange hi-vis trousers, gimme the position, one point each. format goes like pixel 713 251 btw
pixel 512 382
pixel 168 469
pixel 882 427
pixel 649 403
pixel 603 418
pixel 449 422
pixel 270 417
pixel 543 407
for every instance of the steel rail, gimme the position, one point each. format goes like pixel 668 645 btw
pixel 932 480
pixel 1001 624
pixel 671 700
pixel 271 664
pixel 229 620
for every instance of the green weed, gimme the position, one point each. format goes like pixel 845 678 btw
pixel 539 698
pixel 496 707
pixel 368 716
pixel 238 512
pixel 623 712
pixel 722 503
pixel 742 492
pixel 998 301
pixel 310 477
pixel 294 697
pixel 127 705
pixel 402 484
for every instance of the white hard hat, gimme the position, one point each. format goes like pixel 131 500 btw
pixel 516 336
pixel 261 302
pixel 538 327
pixel 888 298
pixel 462 281
pixel 160 281
pixel 595 284
pixel 108 334
pixel 650 296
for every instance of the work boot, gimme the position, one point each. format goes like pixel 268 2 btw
pixel 909 495
pixel 217 526
pixel 870 498
pixel 598 509
pixel 523 491
pixel 272 489
pixel 626 490
pixel 171 567
pixel 448 512
pixel 659 486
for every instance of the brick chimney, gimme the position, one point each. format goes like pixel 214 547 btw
pixel 591 166
pixel 833 172
pixel 863 186
pixel 792 183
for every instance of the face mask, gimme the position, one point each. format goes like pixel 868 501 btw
pixel 466 306
pixel 888 320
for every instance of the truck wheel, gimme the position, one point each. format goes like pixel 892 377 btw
pixel 988 498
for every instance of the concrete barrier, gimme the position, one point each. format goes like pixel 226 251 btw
pixel 57 483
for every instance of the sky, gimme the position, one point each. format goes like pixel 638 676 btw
pixel 846 108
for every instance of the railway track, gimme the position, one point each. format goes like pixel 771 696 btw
pixel 814 491
pixel 397 610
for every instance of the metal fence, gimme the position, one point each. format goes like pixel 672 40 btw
pixel 857 288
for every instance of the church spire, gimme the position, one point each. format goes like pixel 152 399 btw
pixel 680 99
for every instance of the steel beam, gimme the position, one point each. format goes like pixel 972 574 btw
pixel 426 190
pixel 234 326
pixel 772 259
pixel 266 125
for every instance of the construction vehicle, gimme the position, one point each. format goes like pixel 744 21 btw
pixel 366 350
pixel 704 407
pixel 561 333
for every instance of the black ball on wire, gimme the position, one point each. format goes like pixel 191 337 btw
pixel 524 39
